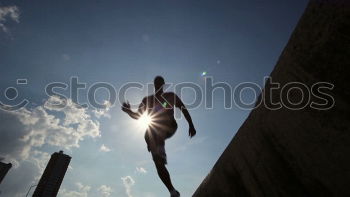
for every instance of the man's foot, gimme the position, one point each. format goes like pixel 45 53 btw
pixel 174 193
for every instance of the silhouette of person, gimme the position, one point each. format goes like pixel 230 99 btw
pixel 160 106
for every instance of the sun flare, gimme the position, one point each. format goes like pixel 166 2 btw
pixel 144 121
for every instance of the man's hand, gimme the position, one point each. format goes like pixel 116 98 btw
pixel 126 107
pixel 192 131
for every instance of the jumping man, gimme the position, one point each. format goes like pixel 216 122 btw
pixel 160 107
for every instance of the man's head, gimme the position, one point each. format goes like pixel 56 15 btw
pixel 158 83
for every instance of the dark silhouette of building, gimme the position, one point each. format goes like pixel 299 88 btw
pixel 4 168
pixel 53 175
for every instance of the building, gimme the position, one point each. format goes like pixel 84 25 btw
pixel 53 175
pixel 4 168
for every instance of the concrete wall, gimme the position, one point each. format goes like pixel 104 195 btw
pixel 296 152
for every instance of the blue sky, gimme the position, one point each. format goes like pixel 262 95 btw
pixel 129 41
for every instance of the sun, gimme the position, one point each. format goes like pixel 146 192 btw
pixel 144 121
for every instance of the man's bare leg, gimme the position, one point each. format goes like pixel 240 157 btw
pixel 164 175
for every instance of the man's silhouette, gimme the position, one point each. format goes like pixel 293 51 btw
pixel 160 107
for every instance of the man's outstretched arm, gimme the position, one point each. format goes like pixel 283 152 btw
pixel 135 115
pixel 179 104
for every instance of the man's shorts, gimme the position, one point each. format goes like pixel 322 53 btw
pixel 155 139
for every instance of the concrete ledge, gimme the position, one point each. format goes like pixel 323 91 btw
pixel 304 152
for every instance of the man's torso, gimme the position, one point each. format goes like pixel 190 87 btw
pixel 161 108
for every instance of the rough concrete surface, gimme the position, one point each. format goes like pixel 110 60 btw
pixel 302 152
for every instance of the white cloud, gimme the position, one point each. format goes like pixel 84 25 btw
pixel 141 170
pixel 8 12
pixel 45 125
pixel 83 191
pixel 104 148
pixel 104 112
pixel 128 182
pixel 61 127
pixel 105 190
pixel 26 131
pixel 40 160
